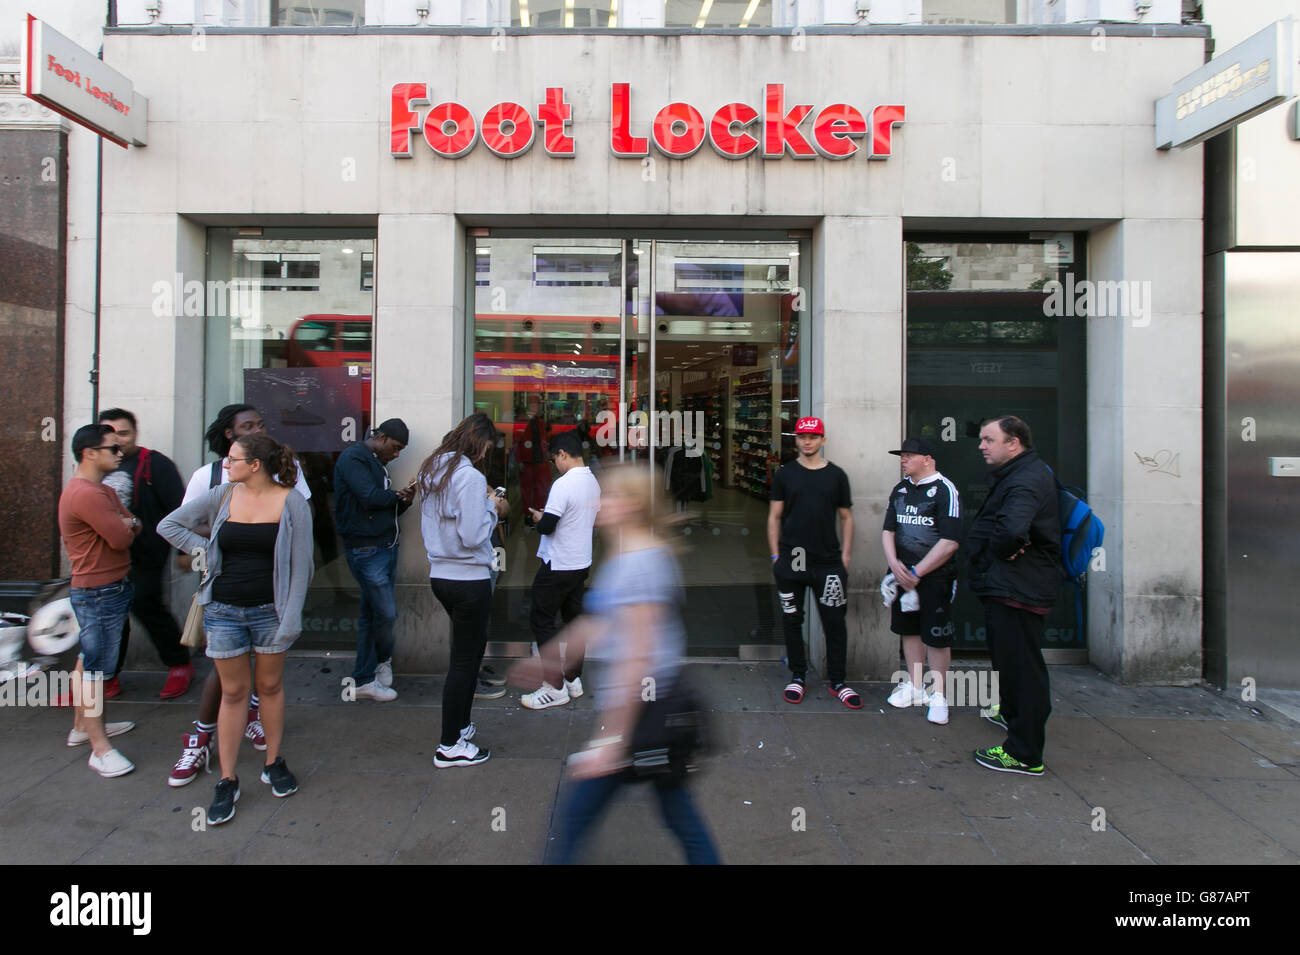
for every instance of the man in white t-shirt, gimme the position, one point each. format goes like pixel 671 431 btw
pixel 566 529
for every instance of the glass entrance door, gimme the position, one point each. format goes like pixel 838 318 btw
pixel 686 355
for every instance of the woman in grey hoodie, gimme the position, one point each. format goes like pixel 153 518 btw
pixel 257 563
pixel 457 516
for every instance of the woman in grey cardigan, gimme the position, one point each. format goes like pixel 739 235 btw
pixel 257 564
pixel 457 516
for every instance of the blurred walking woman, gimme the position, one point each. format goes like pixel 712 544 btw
pixel 632 629
pixel 457 516
pixel 259 563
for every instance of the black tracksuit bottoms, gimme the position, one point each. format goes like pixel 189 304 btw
pixel 1015 639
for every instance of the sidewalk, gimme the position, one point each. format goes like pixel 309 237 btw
pixel 1183 774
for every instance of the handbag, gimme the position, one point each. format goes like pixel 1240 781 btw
pixel 670 731
pixel 193 634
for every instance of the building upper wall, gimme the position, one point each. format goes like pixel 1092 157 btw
pixel 1030 127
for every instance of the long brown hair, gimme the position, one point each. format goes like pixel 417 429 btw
pixel 277 459
pixel 473 438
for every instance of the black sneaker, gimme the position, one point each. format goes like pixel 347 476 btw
pixel 283 783
pixel 490 676
pixel 486 691
pixel 223 802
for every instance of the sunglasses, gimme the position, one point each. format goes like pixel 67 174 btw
pixel 116 449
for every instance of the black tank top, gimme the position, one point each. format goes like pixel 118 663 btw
pixel 247 564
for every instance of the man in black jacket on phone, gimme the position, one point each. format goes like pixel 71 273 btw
pixel 366 510
pixel 1014 545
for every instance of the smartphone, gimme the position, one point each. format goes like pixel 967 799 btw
pixel 500 492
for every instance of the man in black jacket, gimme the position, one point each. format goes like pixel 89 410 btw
pixel 149 486
pixel 366 510
pixel 1015 551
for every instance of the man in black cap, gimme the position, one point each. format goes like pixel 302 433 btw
pixel 920 536
pixel 366 510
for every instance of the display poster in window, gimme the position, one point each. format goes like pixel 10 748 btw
pixel 310 409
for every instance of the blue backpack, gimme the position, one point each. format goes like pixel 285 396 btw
pixel 1081 532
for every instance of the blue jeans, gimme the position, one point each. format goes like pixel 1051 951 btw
pixel 375 570
pixel 589 797
pixel 101 612
pixel 234 631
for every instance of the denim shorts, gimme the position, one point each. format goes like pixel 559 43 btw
pixel 233 630
pixel 101 612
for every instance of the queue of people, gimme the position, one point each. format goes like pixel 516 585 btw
pixel 244 523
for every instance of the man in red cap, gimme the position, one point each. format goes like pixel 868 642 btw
pixel 807 495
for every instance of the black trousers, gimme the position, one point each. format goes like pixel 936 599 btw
pixel 468 603
pixel 150 610
pixel 556 591
pixel 830 590
pixel 1015 640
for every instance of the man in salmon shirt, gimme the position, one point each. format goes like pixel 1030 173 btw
pixel 97 532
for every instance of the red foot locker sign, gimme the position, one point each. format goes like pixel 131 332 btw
pixel 77 84
pixel 779 126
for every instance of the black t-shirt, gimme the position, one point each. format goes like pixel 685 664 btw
pixel 812 498
pixel 247 564
pixel 922 514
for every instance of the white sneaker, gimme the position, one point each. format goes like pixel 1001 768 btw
pixel 938 712
pixel 77 737
pixel 375 691
pixel 573 687
pixel 111 764
pixel 468 733
pixel 384 673
pixel 544 697
pixel 905 695
pixel 464 753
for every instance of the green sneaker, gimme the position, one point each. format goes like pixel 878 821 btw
pixel 1001 761
pixel 994 715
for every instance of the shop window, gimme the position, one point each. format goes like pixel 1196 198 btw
pixel 561 266
pixel 718 13
pixel 717 275
pixel 284 271
pixel 294 339
pixel 304 13
pixel 982 341
pixel 367 271
pixel 968 11
pixel 564 14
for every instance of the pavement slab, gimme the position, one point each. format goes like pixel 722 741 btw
pixel 1135 775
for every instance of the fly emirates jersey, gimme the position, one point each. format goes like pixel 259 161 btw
pixel 920 515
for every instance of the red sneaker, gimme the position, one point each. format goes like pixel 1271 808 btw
pixel 198 752
pixel 178 681
pixel 253 731
pixel 112 689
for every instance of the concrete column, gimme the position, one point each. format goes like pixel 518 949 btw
pixel 858 354
pixel 419 376
pixel 1145 452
